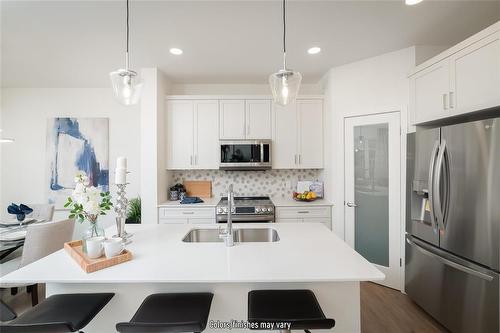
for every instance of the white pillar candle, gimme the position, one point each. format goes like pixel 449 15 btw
pixel 120 176
pixel 121 163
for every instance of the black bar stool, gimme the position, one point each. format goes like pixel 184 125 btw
pixel 59 314
pixel 176 312
pixel 298 308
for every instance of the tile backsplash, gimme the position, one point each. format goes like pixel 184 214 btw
pixel 274 183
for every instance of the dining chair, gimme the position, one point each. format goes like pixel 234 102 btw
pixel 41 240
pixel 42 212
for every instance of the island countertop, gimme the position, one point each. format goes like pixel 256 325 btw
pixel 306 252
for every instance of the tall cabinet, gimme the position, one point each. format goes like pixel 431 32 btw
pixel 192 134
pixel 298 135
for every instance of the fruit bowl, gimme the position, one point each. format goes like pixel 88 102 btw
pixel 307 196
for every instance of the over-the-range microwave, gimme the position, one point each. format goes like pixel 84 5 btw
pixel 245 154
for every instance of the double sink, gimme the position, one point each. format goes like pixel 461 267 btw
pixel 261 235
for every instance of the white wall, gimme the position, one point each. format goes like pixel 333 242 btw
pixel 24 114
pixel 236 89
pixel 370 86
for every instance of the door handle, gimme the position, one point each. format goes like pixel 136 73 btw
pixel 449 262
pixel 430 184
pixel 437 185
pixel 351 204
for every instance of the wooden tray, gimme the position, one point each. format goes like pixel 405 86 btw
pixel 198 188
pixel 75 250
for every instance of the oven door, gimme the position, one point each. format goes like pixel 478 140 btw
pixel 245 155
pixel 236 218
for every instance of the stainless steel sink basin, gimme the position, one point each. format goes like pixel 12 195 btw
pixel 264 235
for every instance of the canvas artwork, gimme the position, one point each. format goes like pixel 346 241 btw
pixel 75 144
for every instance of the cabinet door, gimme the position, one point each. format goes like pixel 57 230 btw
pixel 232 119
pixel 475 73
pixel 310 113
pixel 429 90
pixel 285 137
pixel 206 133
pixel 179 134
pixel 258 119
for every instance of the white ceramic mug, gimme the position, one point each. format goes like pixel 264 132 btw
pixel 94 246
pixel 113 247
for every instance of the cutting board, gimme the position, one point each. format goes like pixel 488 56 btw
pixel 198 188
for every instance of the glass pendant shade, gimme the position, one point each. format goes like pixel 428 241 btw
pixel 285 86
pixel 127 86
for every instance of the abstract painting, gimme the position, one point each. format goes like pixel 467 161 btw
pixel 75 144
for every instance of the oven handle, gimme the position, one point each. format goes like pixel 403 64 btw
pixel 260 218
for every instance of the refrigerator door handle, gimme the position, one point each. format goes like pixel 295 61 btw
pixel 431 185
pixel 440 211
pixel 448 262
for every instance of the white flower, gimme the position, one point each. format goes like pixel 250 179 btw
pixel 91 207
pixel 81 177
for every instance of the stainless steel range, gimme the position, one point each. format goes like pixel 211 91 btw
pixel 246 210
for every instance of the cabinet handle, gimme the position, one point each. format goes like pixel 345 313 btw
pixel 248 129
pixel 196 159
pixel 300 158
pixel 451 99
pixel 445 106
pixel 191 160
pixel 295 158
pixel 188 213
pixel 303 212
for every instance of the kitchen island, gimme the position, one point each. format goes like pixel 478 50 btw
pixel 306 256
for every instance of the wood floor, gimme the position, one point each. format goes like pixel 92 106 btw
pixel 385 310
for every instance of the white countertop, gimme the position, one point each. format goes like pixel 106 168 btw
pixel 207 202
pixel 289 202
pixel 306 252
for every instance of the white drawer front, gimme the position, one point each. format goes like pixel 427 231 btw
pixel 188 213
pixel 172 221
pixel 302 212
pixel 202 221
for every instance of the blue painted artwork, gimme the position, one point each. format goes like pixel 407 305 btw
pixel 75 144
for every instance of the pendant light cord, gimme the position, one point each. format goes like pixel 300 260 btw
pixel 126 52
pixel 284 34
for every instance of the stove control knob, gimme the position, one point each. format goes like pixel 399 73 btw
pixel 233 209
pixel 224 209
pixel 257 210
pixel 219 210
pixel 270 209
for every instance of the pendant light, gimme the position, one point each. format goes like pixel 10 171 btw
pixel 126 84
pixel 5 140
pixel 285 83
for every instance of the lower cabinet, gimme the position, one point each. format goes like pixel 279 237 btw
pixel 305 214
pixel 181 215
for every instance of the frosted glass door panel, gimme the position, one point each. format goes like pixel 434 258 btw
pixel 371 192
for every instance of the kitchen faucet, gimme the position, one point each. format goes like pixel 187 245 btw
pixel 227 235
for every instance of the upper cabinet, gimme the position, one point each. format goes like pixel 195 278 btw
pixel 298 135
pixel 245 119
pixel 192 134
pixel 475 76
pixel 463 79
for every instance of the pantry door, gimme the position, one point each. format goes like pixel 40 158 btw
pixel 372 191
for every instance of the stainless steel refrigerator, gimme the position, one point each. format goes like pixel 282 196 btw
pixel 453 229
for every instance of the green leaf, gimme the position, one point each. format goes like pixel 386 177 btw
pixel 71 216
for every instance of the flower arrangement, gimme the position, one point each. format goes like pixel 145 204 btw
pixel 87 202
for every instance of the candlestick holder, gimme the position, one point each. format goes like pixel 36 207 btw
pixel 121 211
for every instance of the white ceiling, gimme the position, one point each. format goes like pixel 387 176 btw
pixel 77 43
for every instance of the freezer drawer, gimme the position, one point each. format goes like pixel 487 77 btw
pixel 460 295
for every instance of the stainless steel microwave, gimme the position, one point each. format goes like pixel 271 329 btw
pixel 245 154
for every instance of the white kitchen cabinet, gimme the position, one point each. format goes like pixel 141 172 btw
pixel 245 119
pixel 475 76
pixel 192 134
pixel 258 119
pixel 304 214
pixel 180 117
pixel 429 91
pixel 232 119
pixel 206 136
pixel 183 215
pixel 310 113
pixel 298 135
pixel 461 80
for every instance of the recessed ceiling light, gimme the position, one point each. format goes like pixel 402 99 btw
pixel 412 2
pixel 176 51
pixel 314 50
